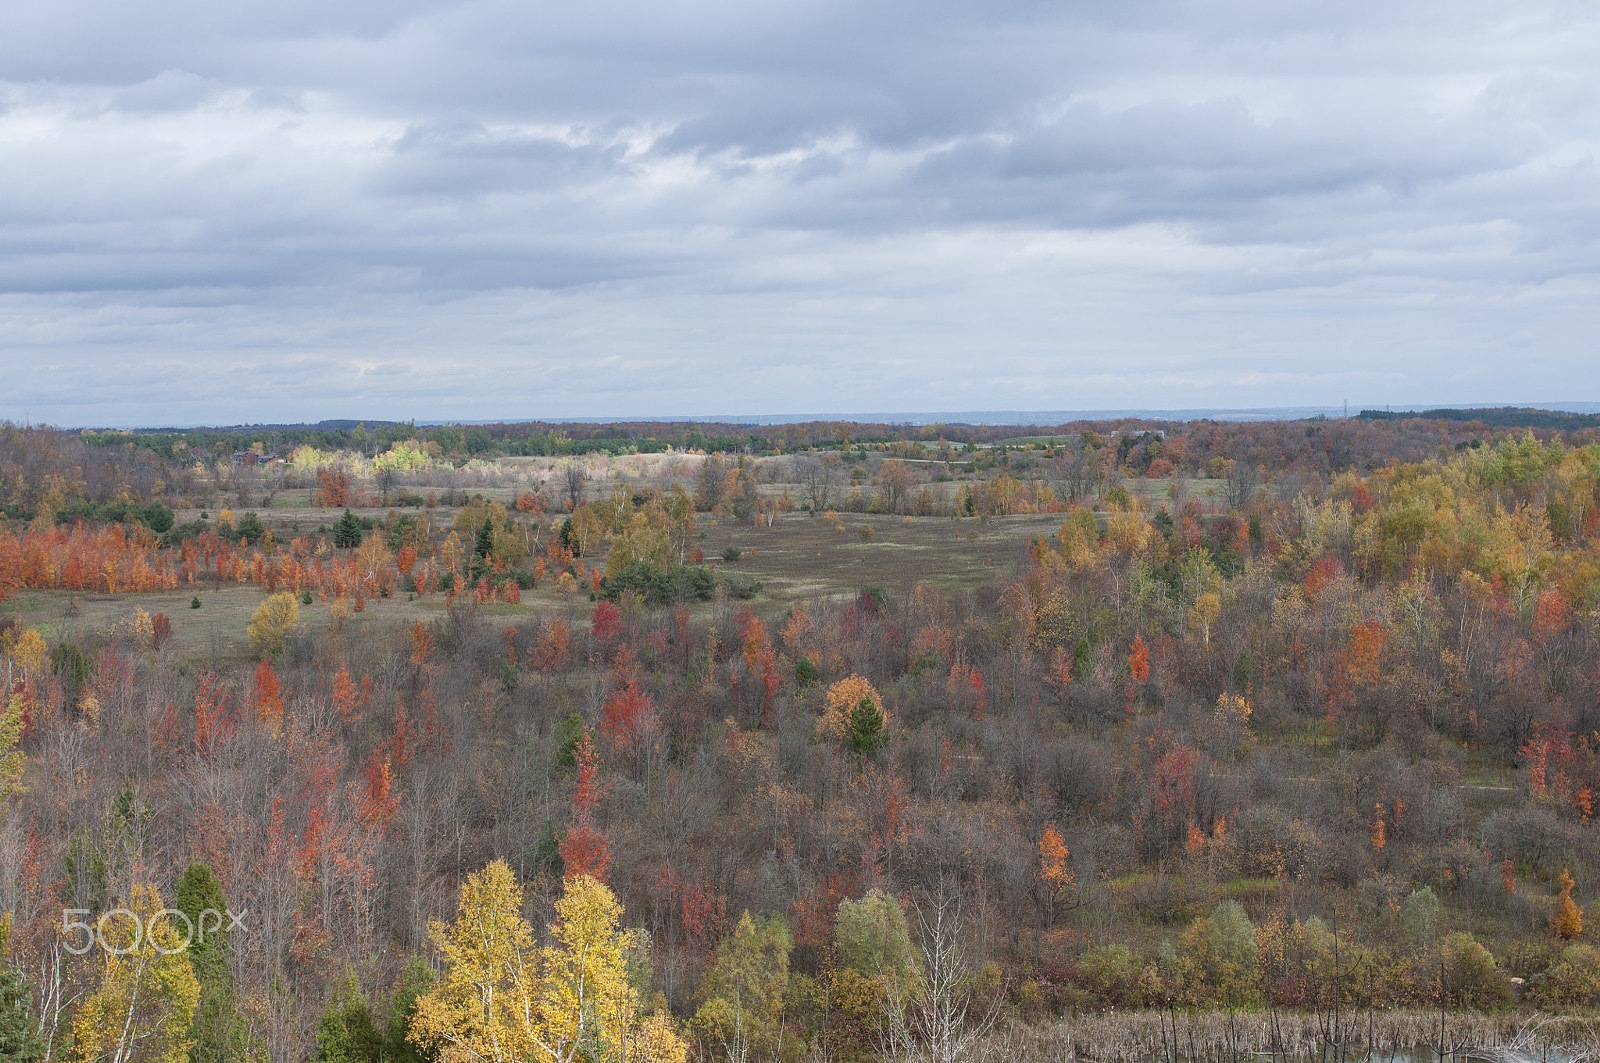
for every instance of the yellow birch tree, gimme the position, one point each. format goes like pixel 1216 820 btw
pixel 485 1007
pixel 146 1001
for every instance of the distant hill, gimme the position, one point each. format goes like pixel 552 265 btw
pixel 1494 417
pixel 240 429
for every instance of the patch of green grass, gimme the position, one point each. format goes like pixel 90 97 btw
pixel 1239 888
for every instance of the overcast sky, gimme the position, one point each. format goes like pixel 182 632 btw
pixel 294 209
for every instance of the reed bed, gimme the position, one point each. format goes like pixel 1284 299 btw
pixel 1294 1037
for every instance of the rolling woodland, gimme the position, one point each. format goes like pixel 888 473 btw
pixel 829 741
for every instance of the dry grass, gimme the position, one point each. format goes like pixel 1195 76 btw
pixel 802 557
pixel 799 557
pixel 207 636
pixel 1212 1037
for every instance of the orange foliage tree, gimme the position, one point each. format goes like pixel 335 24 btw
pixel 583 847
pixel 843 697
pixel 335 490
pixel 266 697
pixel 1053 876
pixel 1567 922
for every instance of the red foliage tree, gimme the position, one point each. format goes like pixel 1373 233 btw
pixel 583 848
pixel 349 698
pixel 1139 661
pixel 551 653
pixel 266 696
pixel 377 804
pixel 630 714
pixel 606 624
pixel 213 723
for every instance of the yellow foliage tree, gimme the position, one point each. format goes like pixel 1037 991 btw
pixel 588 1009
pixel 404 456
pixel 1203 614
pixel 10 755
pixel 586 529
pixel 485 1007
pixel 148 991
pixel 1230 724
pixel 471 517
pixel 843 697
pixel 273 622
pixel 646 540
pixel 30 653
pixel 501 999
pixel 373 557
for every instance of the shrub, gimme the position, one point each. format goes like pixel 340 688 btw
pixel 1232 938
pixel 1220 951
pixel 1420 918
pixel 872 937
pixel 675 583
pixel 1575 980
pixel 742 587
pixel 1112 974
pixel 1470 974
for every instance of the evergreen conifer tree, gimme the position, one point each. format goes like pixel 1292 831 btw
pixel 416 980
pixel 18 1041
pixel 219 1034
pixel 347 532
pixel 345 1033
pixel 866 728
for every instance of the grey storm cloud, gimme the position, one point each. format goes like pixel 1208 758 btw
pixel 213 212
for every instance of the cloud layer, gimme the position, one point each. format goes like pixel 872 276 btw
pixel 489 209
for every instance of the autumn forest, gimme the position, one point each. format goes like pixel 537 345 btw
pixel 1133 740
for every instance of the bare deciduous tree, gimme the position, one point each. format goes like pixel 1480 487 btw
pixel 936 1015
pixel 573 478
pixel 818 475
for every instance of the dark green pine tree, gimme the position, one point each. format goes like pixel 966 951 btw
pixel 219 1034
pixel 345 1033
pixel 415 981
pixel 250 528
pixel 485 540
pixel 480 549
pixel 18 1042
pixel 347 532
pixel 866 728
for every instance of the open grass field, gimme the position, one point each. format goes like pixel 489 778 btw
pixel 209 636
pixel 799 557
pixel 805 557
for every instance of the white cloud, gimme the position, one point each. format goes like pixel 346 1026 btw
pixel 497 209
